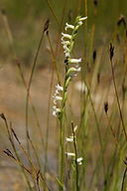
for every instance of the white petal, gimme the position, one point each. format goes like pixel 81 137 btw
pixel 80 23
pixel 67 54
pixel 56 92
pixel 74 60
pixel 66 36
pixel 70 139
pixel 70 154
pixel 59 88
pixel 66 48
pixel 68 26
pixel 75 128
pixel 83 18
pixel 78 69
pixel 57 98
pixel 79 159
pixel 54 107
pixel 65 42
pixel 73 71
pixel 54 113
pixel 54 101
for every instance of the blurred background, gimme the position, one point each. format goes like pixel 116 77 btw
pixel 21 25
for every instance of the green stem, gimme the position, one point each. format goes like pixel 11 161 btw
pixel 62 132
pixel 61 152
pixel 76 157
pixel 123 181
pixel 117 99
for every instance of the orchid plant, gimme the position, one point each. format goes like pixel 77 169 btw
pixel 72 68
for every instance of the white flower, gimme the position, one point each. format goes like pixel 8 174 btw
pixel 54 108
pixel 56 111
pixel 80 23
pixel 68 26
pixel 57 92
pixel 78 69
pixel 83 18
pixel 68 36
pixel 74 60
pixel 79 160
pixel 73 71
pixel 65 42
pixel 70 154
pixel 75 128
pixel 59 88
pixel 70 139
pixel 66 48
pixel 67 54
pixel 56 98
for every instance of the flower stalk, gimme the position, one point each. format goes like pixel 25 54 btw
pixel 72 68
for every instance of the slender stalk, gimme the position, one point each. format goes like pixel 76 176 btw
pixel 59 108
pixel 22 148
pixel 112 131
pixel 30 80
pixel 123 181
pixel 86 8
pixel 60 30
pixel 76 157
pixel 61 155
pixel 23 168
pixel 99 132
pixel 62 137
pixel 54 55
pixel 115 89
pixel 32 105
pixel 49 99
pixel 34 170
pixel 52 11
pixel 43 180
pixel 9 33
